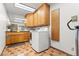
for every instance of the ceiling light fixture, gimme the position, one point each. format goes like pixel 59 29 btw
pixel 24 7
pixel 20 20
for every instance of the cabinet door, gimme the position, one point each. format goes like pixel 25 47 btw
pixel 39 17
pixel 35 19
pixel 20 38
pixel 29 19
pixel 13 37
pixel 44 15
pixel 55 24
pixel 27 36
pixel 8 39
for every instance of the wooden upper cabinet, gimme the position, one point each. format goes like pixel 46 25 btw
pixel 55 25
pixel 41 17
pixel 47 14
pixel 29 19
pixel 35 19
pixel 44 15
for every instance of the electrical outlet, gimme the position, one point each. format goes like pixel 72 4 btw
pixel 74 18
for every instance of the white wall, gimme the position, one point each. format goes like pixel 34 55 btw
pixel 67 37
pixel 3 23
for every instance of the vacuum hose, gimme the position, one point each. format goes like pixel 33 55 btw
pixel 69 25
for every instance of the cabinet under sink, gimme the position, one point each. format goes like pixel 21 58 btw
pixel 16 37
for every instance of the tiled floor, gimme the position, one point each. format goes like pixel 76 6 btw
pixel 24 49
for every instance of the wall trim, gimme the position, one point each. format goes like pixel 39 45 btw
pixel 3 51
pixel 62 51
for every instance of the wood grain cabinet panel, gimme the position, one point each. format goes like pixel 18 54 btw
pixel 27 17
pixel 47 14
pixel 15 37
pixel 29 20
pixel 44 15
pixel 41 17
pixel 35 19
pixel 55 25
pixel 8 40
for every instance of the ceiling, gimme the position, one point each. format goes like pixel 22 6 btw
pixel 14 12
pixel 10 8
pixel 32 5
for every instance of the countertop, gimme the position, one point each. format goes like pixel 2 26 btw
pixel 16 33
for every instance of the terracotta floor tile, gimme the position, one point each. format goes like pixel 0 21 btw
pixel 25 49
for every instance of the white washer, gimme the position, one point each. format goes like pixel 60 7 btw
pixel 40 40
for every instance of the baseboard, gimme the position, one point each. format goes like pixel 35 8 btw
pixel 3 50
pixel 62 51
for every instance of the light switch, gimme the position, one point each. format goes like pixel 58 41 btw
pixel 74 18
